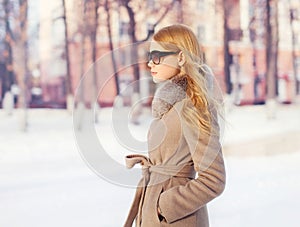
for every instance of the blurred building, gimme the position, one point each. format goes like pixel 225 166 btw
pixel 246 27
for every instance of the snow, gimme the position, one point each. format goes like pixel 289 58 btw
pixel 44 180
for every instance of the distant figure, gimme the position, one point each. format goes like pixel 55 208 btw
pixel 257 89
pixel 183 138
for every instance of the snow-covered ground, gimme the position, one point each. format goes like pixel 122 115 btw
pixel 45 182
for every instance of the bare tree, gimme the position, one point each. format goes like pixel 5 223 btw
pixel 271 53
pixel 7 71
pixel 226 38
pixel 6 61
pixel 82 31
pixel 293 17
pixel 16 53
pixel 180 11
pixel 111 45
pixel 80 105
pixel 21 60
pixel 92 29
pixel 68 82
pixel 133 39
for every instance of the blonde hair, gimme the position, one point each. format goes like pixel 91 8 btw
pixel 181 38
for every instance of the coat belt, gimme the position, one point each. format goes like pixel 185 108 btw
pixel 186 171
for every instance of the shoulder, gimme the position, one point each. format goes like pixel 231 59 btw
pixel 177 114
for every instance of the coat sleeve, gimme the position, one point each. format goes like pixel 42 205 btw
pixel 208 161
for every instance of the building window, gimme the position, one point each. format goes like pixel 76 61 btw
pixel 124 29
pixel 294 14
pixel 124 57
pixel 150 4
pixel 297 62
pixel 297 39
pixel 201 5
pixel 201 33
pixel 58 31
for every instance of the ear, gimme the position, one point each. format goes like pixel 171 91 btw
pixel 181 59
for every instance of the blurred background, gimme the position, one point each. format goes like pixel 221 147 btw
pixel 252 47
pixel 47 48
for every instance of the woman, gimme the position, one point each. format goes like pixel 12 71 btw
pixel 185 168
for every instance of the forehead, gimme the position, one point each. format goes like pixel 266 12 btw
pixel 156 46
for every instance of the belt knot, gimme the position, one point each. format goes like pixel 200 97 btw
pixel 183 170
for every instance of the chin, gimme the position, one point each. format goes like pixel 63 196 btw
pixel 157 80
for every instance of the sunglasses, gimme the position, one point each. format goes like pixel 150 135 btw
pixel 155 56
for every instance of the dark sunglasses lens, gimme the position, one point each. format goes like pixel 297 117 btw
pixel 155 58
pixel 152 57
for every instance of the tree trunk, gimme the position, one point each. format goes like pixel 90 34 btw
pixel 8 74
pixel 93 39
pixel 271 54
pixel 134 50
pixel 80 107
pixel 68 82
pixel 180 12
pixel 226 53
pixel 111 48
pixel 296 89
pixel 21 62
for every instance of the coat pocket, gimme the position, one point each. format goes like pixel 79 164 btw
pixel 149 208
pixel 159 216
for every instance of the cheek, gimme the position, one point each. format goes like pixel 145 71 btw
pixel 168 72
pixel 171 71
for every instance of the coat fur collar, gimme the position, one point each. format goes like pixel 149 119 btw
pixel 168 93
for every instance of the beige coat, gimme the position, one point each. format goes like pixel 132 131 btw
pixel 177 152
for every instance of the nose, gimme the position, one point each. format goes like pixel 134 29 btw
pixel 150 64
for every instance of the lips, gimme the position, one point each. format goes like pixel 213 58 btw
pixel 153 73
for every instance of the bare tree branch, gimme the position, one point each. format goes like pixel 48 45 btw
pixel 151 30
